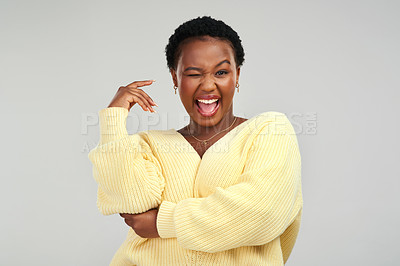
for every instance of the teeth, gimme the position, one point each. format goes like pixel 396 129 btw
pixel 208 101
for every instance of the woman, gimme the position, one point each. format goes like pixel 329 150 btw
pixel 235 199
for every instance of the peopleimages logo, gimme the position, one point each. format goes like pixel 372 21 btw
pixel 303 124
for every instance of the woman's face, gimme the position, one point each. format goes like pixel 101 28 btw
pixel 206 67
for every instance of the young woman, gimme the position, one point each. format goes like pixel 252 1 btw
pixel 223 190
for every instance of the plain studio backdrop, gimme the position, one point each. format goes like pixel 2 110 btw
pixel 331 66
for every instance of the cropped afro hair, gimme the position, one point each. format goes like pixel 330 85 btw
pixel 199 27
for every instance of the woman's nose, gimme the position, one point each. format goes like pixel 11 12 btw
pixel 208 83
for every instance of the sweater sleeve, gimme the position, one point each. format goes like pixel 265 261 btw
pixel 128 175
pixel 255 211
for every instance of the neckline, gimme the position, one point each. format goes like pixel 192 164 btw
pixel 237 129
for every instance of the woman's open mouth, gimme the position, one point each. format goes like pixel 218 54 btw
pixel 208 107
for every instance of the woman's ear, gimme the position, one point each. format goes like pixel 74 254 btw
pixel 237 75
pixel 174 77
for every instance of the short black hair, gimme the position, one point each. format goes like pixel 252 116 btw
pixel 199 27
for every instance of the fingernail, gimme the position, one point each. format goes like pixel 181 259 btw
pixel 153 80
pixel 153 102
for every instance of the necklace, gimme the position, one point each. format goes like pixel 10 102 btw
pixel 205 142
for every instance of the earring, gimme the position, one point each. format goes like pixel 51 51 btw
pixel 237 86
pixel 175 87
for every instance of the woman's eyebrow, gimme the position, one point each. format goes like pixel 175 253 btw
pixel 225 61
pixel 192 68
pixel 198 69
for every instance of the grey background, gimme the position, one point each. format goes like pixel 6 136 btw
pixel 331 66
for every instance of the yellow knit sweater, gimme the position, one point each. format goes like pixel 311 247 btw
pixel 240 204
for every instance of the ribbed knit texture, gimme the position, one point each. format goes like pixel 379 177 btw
pixel 241 204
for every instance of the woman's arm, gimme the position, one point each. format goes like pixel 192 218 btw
pixel 129 177
pixel 256 210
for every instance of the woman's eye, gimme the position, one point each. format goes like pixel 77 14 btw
pixel 222 72
pixel 193 75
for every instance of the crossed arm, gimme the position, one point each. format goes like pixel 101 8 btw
pixel 256 210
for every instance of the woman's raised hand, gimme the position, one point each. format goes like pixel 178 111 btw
pixel 127 96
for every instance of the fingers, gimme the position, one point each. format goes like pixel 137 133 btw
pixel 139 98
pixel 149 99
pixel 129 95
pixel 145 100
pixel 140 83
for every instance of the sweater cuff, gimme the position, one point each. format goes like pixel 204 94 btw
pixel 112 124
pixel 165 220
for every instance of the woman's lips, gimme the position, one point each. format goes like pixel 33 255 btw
pixel 210 113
